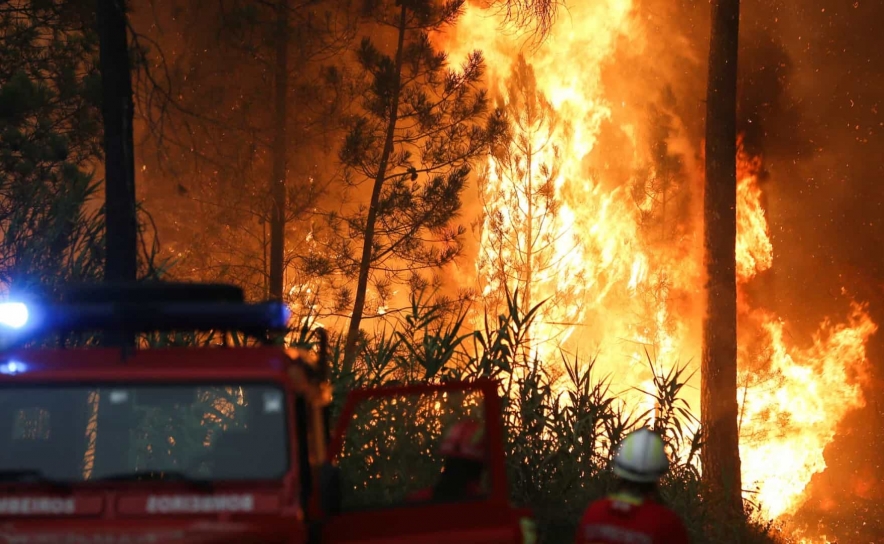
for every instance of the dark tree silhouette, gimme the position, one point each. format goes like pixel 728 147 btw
pixel 721 453
pixel 277 181
pixel 119 153
pixel 417 132
pixel 50 138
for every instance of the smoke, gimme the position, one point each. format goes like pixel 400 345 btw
pixel 810 89
pixel 769 117
pixel 819 132
pixel 811 92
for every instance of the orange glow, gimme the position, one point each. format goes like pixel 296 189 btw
pixel 754 250
pixel 792 408
pixel 623 243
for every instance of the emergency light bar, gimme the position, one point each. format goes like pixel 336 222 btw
pixel 151 291
pixel 163 317
pixel 153 307
pixel 14 314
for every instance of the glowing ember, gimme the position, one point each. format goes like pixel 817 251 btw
pixel 602 181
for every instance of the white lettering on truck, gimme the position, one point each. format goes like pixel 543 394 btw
pixel 194 504
pixel 36 505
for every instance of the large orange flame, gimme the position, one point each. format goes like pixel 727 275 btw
pixel 622 239
pixel 792 398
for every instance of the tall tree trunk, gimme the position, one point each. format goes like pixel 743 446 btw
pixel 721 454
pixel 121 237
pixel 278 180
pixel 371 218
pixel 117 110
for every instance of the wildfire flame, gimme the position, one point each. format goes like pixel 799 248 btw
pixel 753 246
pixel 620 231
pixel 793 398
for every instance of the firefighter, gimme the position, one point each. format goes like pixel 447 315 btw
pixel 463 449
pixel 632 513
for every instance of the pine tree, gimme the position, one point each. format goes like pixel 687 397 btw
pixel 420 126
pixel 524 242
pixel 50 140
pixel 662 197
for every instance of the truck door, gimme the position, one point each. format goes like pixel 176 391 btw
pixel 406 475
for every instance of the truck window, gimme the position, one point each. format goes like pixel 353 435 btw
pixel 206 431
pixel 393 452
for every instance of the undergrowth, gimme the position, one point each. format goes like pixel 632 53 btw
pixel 562 420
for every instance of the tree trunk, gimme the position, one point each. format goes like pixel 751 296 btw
pixel 278 179
pixel 117 110
pixel 721 454
pixel 371 218
pixel 121 236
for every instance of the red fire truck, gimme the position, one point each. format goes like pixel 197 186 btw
pixel 229 441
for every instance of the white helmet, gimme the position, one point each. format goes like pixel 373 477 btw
pixel 641 457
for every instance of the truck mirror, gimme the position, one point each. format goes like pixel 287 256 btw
pixel 330 488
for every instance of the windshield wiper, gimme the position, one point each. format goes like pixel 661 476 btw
pixel 30 475
pixel 155 476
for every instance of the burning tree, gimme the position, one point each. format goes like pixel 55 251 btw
pixel 660 190
pixel 417 131
pixel 523 242
pixel 721 453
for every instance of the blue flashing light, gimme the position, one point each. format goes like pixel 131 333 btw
pixel 14 315
pixel 20 321
pixel 12 368
pixel 284 316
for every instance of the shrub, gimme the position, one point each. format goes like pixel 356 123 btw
pixel 562 421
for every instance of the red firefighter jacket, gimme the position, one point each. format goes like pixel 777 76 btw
pixel 625 519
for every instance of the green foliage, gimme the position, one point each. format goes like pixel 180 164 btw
pixel 50 128
pixel 409 143
pixel 176 437
pixel 51 212
pixel 561 427
pixel 391 445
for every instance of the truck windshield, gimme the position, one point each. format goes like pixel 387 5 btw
pixel 213 432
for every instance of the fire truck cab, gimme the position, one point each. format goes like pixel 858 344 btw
pixel 221 441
